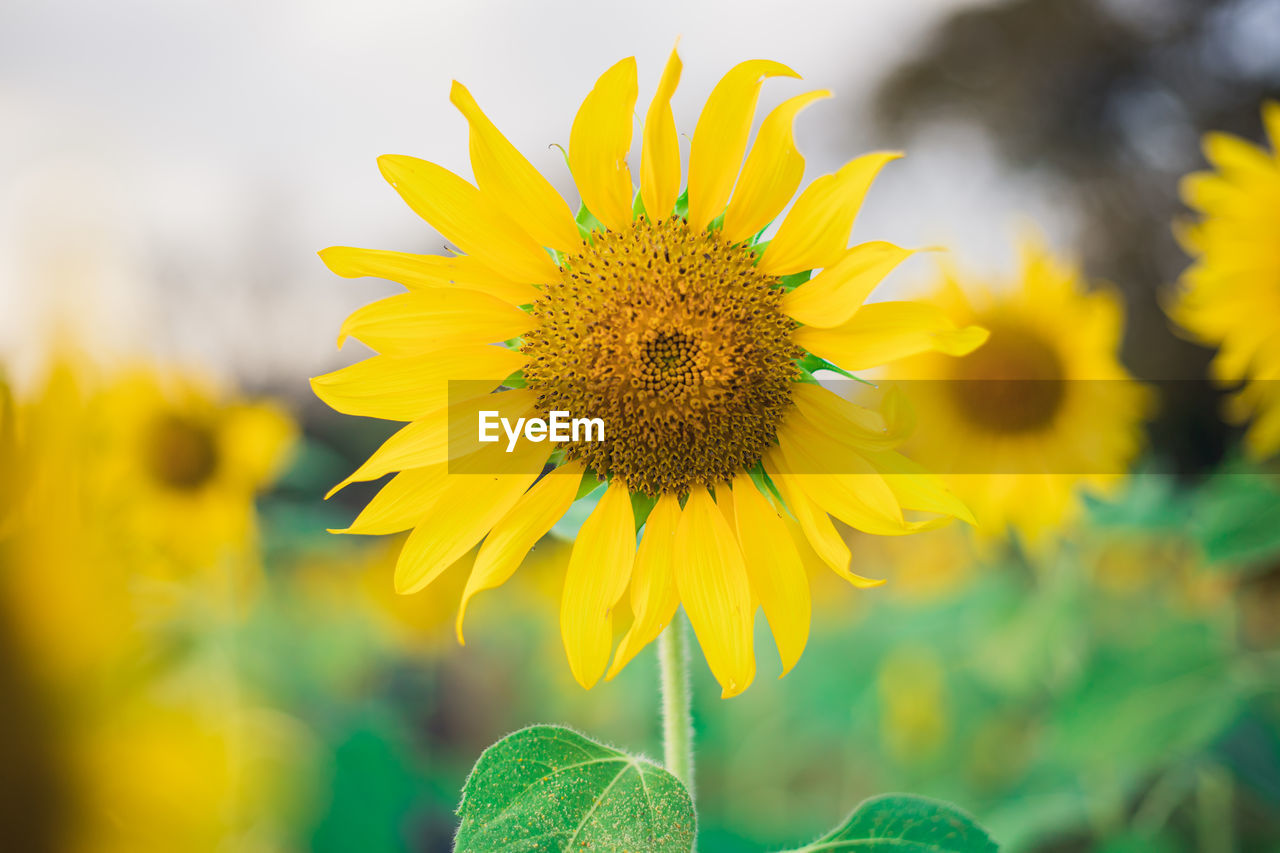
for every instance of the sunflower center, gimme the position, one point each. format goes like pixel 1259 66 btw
pixel 181 452
pixel 1013 383
pixel 675 340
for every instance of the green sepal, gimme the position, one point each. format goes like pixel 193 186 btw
pixel 641 506
pixel 637 206
pixel 757 251
pixel 716 224
pixel 590 482
pixel 905 823
pixel 682 204
pixel 811 364
pixel 564 152
pixel 587 223
pixel 515 380
pixel 547 788
pixel 791 282
pixel 765 483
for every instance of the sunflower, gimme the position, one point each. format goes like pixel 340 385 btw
pixel 1230 295
pixel 9 458
pixel 184 464
pixel 665 315
pixel 97 688
pixel 1041 411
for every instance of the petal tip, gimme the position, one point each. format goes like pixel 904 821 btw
pixel 392 167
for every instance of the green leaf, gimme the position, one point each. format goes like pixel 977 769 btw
pixel 903 823
pixel 547 788
pixel 1236 519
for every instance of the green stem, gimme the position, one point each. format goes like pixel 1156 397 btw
pixel 677 710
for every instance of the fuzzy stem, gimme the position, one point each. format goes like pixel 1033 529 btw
pixel 677 712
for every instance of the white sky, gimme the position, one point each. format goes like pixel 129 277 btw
pixel 168 169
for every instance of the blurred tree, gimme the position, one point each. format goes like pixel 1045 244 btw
pixel 1106 100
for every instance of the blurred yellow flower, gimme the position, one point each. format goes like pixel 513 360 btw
pixel 9 460
pixel 1144 566
pixel 1229 297
pixel 930 566
pixel 664 316
pixel 136 761
pixel 1043 409
pixel 183 467
pixel 913 697
pixel 155 777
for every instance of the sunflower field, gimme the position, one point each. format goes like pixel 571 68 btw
pixel 871 447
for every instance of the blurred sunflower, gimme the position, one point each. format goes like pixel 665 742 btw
pixel 914 717
pixel 1043 409
pixel 663 314
pixel 132 748
pixel 1229 297
pixel 184 467
pixel 9 459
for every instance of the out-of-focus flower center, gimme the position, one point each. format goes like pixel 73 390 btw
pixel 1013 383
pixel 181 452
pixel 675 340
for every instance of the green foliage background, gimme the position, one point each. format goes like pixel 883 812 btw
pixel 1116 693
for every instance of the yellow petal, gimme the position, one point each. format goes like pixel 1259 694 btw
pixel 1205 190
pixel 599 569
pixel 843 483
pixel 439 436
pixel 400 503
pixel 835 294
pixel 429 318
pixel 511 182
pixel 660 151
pixel 720 137
pixel 464 510
pixel 466 218
pixel 417 271
pixel 1271 121
pixel 886 331
pixel 514 536
pixel 256 440
pixel 599 142
pixel 654 598
pixel 723 496
pixel 816 231
pixel 821 534
pixel 1237 157
pixel 916 488
pixel 406 387
pixel 713 585
pixel 773 566
pixel 843 420
pixel 772 172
